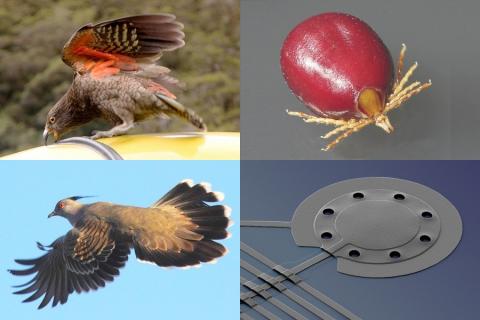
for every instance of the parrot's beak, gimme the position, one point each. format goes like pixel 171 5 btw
pixel 45 138
pixel 52 214
pixel 47 132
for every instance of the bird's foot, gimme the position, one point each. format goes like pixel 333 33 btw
pixel 96 134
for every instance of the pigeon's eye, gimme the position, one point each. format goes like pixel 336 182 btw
pixel 51 120
pixel 61 205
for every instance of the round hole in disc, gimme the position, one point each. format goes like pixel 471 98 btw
pixel 399 196
pixel 425 238
pixel 326 235
pixel 328 211
pixel 427 214
pixel 395 254
pixel 354 253
pixel 414 255
pixel 358 195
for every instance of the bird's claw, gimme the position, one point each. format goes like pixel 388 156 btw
pixel 96 135
pixel 100 134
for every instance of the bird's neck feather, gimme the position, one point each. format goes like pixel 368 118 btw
pixel 75 213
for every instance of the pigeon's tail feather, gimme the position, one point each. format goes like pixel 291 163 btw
pixel 192 242
pixel 186 196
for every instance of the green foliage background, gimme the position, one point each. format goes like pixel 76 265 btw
pixel 33 76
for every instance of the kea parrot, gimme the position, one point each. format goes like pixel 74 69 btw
pixel 116 77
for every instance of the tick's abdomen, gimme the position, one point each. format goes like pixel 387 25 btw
pixel 329 59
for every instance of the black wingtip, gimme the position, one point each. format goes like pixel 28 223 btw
pixel 42 247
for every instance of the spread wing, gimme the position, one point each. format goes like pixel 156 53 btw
pixel 84 259
pixel 122 44
pixel 182 228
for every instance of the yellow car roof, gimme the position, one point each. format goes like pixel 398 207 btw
pixel 177 146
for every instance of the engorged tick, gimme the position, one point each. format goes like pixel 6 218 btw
pixel 339 67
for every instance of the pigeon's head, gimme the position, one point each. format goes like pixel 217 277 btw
pixel 67 208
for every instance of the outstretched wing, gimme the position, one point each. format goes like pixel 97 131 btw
pixel 182 228
pixel 122 44
pixel 84 259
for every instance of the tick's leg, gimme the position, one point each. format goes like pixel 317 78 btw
pixel 405 95
pixel 360 124
pixel 313 119
pixel 350 124
pixel 401 57
pixel 404 80
pixel 399 95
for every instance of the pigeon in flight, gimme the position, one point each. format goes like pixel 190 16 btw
pixel 176 231
pixel 116 78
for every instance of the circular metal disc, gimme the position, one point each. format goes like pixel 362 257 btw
pixel 378 227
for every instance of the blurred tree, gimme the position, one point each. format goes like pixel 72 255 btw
pixel 33 77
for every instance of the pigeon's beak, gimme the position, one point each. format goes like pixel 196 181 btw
pixel 52 214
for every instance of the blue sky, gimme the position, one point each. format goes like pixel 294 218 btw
pixel 31 190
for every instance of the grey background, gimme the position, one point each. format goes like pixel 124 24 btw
pixel 271 190
pixel 440 123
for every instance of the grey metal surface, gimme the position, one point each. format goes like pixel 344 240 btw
pixel 277 303
pixel 397 227
pixel 272 190
pixel 105 150
pixel 291 276
pixel 268 224
pixel 441 123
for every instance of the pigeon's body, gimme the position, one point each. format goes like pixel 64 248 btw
pixel 177 231
pixel 128 219
pixel 132 222
pixel 116 77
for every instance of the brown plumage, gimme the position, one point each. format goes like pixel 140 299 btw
pixel 116 77
pixel 176 231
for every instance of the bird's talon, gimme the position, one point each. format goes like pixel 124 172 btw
pixel 101 134
pixel 96 135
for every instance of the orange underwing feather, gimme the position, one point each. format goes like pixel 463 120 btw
pixel 156 87
pixel 122 44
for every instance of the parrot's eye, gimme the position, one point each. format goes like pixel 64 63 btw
pixel 61 205
pixel 51 120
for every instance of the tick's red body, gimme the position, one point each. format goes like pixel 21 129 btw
pixel 327 60
pixel 339 67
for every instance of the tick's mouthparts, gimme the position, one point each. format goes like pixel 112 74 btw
pixel 370 102
pixel 383 122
